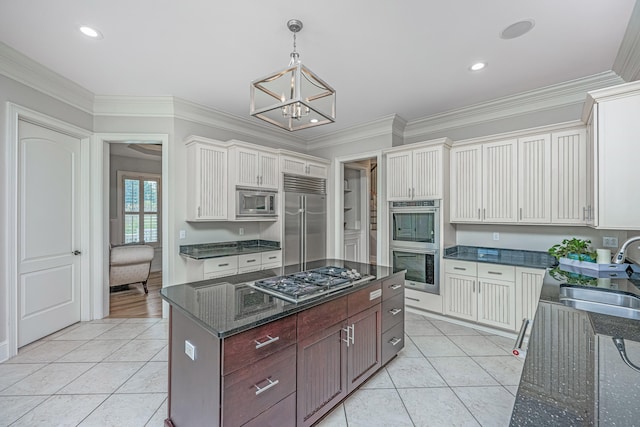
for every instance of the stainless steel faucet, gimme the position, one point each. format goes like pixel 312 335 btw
pixel 619 259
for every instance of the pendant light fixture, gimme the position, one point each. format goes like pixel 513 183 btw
pixel 293 98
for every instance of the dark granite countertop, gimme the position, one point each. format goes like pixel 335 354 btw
pixel 516 257
pixel 228 305
pixel 574 374
pixel 216 250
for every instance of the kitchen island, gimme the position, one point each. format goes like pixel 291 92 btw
pixel 575 372
pixel 239 356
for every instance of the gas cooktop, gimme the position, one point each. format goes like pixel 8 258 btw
pixel 310 284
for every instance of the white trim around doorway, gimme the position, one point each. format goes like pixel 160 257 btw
pixel 100 205
pixel 14 113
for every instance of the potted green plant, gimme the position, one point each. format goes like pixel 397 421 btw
pixel 576 249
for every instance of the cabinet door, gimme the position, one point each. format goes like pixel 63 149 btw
pixel 207 183
pixel 427 173
pixel 318 170
pixel 269 171
pixel 528 287
pixel 497 303
pixel 363 353
pixel 399 176
pixel 466 184
pixel 534 180
pixel 499 178
pixel 246 166
pixel 352 249
pixel 293 165
pixel 322 373
pixel 569 177
pixel 460 297
pixel 591 213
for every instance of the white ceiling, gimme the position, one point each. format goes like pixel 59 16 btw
pixel 383 57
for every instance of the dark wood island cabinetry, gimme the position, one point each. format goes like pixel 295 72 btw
pixel 277 363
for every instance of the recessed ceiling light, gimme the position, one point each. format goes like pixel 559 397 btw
pixel 478 66
pixel 518 29
pixel 90 32
pixel 314 120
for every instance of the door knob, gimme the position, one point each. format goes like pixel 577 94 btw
pixel 76 252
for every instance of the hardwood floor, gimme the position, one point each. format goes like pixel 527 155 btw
pixel 133 302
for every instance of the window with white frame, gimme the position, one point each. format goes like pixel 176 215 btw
pixel 140 212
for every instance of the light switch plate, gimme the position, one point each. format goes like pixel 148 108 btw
pixel 183 234
pixel 190 350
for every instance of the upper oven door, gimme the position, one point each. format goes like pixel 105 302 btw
pixel 414 227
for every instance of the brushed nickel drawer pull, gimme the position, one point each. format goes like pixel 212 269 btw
pixel 394 287
pixel 412 299
pixel 460 268
pixel 395 311
pixel 395 341
pixel 494 272
pixel 267 342
pixel 267 387
pixel 273 257
pixel 251 260
pixel 223 265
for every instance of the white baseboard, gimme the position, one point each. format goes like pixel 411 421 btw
pixel 4 351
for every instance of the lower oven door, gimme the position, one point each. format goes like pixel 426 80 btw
pixel 422 268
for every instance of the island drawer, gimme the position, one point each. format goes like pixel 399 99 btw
pixel 465 268
pixel 392 311
pixel 497 272
pixel 256 387
pixel 392 286
pixel 392 342
pixel 282 414
pixel 246 347
pixel 321 317
pixel 364 298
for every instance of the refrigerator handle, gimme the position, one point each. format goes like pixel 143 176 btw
pixel 303 230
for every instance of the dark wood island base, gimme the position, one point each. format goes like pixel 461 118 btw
pixel 293 367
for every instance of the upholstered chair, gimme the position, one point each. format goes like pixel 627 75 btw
pixel 129 264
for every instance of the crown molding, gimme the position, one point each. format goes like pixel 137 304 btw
pixel 133 106
pixel 391 125
pixel 559 95
pixel 25 70
pixel 627 62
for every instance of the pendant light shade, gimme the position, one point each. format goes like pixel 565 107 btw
pixel 294 98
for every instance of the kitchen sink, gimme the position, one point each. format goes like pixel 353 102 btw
pixel 604 301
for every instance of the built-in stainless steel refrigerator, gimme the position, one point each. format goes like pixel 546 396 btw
pixel 305 219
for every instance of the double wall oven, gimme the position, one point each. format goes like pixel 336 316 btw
pixel 414 243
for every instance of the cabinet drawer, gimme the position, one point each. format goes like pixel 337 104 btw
pixel 392 311
pixel 364 298
pixel 221 273
pixel 213 265
pixel 282 414
pixel 392 286
pixel 249 262
pixel 256 387
pixel 497 272
pixel 460 267
pixel 273 257
pixel 245 348
pixel 392 342
pixel 321 317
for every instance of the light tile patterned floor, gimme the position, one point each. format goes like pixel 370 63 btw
pixel 113 372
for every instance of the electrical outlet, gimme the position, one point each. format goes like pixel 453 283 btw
pixel 190 350
pixel 610 242
pixel 496 236
pixel 183 234
pixel 241 231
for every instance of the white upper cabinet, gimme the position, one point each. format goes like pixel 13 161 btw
pixel 206 181
pixel 254 168
pixel 499 181
pixel 569 177
pixel 304 165
pixel 466 183
pixel 612 114
pixel 417 173
pixel 534 179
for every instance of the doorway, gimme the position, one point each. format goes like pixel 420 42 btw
pixel 135 218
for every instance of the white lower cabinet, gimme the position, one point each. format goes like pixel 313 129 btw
pixel 213 268
pixel 491 294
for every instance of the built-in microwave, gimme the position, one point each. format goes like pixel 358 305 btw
pixel 253 202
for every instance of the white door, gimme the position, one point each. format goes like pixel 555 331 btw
pixel 48 232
